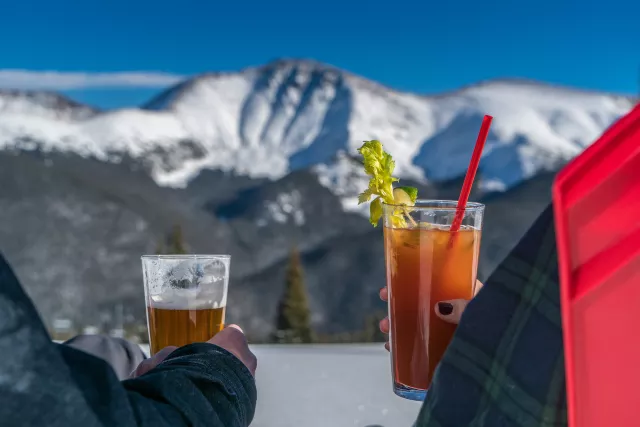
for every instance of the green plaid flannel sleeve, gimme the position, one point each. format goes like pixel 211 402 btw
pixel 505 364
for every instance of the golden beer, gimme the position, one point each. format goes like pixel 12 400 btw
pixel 175 326
pixel 186 298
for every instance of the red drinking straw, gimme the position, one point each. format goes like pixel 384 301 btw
pixel 471 174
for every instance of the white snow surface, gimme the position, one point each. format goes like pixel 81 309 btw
pixel 286 207
pixel 338 385
pixel 290 114
pixel 328 385
pixel 341 385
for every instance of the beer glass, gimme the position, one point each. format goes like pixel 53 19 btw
pixel 426 263
pixel 186 297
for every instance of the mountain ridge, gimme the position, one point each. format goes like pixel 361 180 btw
pixel 269 120
pixel 254 164
pixel 287 61
pixel 189 79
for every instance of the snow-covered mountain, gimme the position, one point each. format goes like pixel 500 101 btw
pixel 85 192
pixel 292 114
pixel 47 105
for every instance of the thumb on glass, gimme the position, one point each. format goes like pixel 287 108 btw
pixel 450 311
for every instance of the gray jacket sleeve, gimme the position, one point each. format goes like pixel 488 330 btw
pixel 44 384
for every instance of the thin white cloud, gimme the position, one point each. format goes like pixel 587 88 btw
pixel 62 80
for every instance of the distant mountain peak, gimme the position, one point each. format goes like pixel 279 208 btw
pixel 292 62
pixel 292 113
pixel 50 104
pixel 273 72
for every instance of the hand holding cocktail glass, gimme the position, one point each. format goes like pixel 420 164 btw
pixel 431 254
pixel 449 311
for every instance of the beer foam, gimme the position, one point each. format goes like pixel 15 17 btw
pixel 185 303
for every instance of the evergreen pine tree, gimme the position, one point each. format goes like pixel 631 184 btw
pixel 372 332
pixel 293 321
pixel 175 242
pixel 160 248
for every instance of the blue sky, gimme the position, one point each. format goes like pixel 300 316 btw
pixel 422 46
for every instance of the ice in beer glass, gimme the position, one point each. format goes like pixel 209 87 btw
pixel 426 263
pixel 186 297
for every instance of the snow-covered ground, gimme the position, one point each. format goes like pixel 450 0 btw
pixel 331 385
pixel 328 385
pixel 336 385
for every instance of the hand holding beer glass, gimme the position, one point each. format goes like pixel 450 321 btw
pixel 186 298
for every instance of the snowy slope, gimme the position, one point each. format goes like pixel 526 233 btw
pixel 291 114
pixel 42 104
